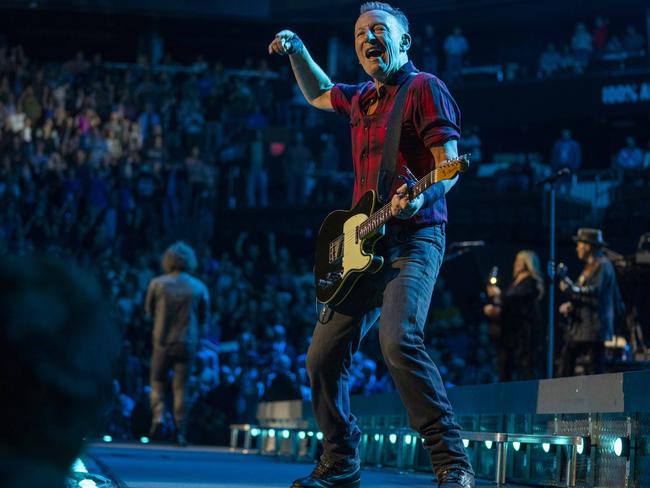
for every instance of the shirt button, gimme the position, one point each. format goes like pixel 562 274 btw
pixel 363 181
pixel 363 154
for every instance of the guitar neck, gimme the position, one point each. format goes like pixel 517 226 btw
pixel 445 171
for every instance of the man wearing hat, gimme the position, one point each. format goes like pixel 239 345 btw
pixel 590 308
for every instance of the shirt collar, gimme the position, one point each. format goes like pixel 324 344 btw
pixel 400 76
pixel 391 86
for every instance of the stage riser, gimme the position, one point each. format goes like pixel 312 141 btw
pixel 599 408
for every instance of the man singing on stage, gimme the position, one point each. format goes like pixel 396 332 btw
pixel 400 293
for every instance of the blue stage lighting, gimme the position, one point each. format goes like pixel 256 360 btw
pixel 622 446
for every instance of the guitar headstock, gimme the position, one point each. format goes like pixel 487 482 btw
pixel 452 167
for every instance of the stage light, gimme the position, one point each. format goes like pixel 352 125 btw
pixel 493 281
pixel 466 443
pixel 622 446
pixel 376 437
pixel 87 483
pixel 107 438
pixel 488 444
pixel 546 446
pixel 310 434
pixel 408 438
pixel 319 436
pixel 144 440
pixel 392 438
pixel 516 445
pixel 301 435
pixel 255 432
pixel 285 434
pixel 271 432
pixel 580 447
pixel 79 467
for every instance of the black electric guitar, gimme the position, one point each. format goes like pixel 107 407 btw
pixel 346 240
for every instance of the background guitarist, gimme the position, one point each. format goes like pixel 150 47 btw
pixel 399 294
pixel 593 302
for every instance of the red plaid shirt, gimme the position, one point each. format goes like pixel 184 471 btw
pixel 431 118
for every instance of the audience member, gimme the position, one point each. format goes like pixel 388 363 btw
pixel 633 40
pixel 58 346
pixel 629 157
pixel 550 61
pixel 566 152
pixel 581 45
pixel 600 34
pixel 456 47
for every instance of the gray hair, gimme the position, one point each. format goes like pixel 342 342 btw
pixel 394 11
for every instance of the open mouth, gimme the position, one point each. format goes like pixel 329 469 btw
pixel 374 52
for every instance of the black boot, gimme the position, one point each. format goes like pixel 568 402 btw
pixel 455 478
pixel 329 473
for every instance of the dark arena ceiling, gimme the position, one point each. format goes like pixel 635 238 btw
pixel 478 11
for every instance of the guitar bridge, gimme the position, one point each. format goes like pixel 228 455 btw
pixel 336 249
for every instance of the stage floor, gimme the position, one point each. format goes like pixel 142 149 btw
pixel 161 466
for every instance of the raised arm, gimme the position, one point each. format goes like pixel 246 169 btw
pixel 314 84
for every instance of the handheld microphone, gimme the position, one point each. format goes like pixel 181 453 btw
pixel 562 271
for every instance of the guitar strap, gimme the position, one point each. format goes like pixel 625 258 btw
pixel 391 143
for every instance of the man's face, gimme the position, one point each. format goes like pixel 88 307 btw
pixel 377 39
pixel 583 249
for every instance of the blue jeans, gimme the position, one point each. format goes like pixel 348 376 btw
pixel 399 296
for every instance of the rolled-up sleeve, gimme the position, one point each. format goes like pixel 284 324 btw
pixel 436 115
pixel 341 98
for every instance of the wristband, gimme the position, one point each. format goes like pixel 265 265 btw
pixel 295 45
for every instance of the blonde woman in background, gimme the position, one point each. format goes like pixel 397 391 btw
pixel 522 337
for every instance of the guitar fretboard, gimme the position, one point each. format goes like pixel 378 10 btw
pixel 445 171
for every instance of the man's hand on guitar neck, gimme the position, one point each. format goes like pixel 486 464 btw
pixel 402 207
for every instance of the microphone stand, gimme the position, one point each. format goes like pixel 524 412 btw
pixel 550 353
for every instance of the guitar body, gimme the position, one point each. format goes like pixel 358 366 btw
pixel 346 240
pixel 341 257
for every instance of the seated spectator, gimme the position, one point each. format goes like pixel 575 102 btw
pixel 629 158
pixel 600 34
pixel 566 152
pixel 633 40
pixel 281 382
pixel 456 47
pixel 550 61
pixel 257 179
pixel 329 170
pixel 581 44
pixel 568 61
pixel 297 158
